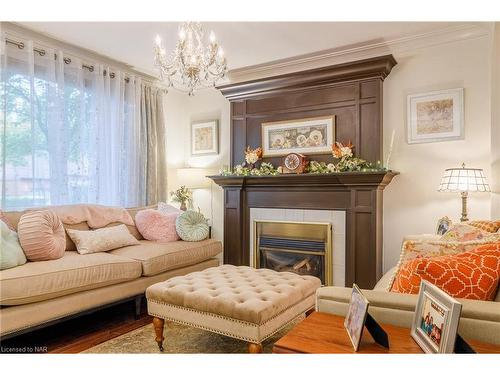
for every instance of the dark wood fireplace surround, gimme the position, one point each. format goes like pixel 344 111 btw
pixel 353 93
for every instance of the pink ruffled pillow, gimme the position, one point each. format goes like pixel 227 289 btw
pixel 156 226
pixel 42 236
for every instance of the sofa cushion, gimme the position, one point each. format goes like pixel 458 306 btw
pixel 464 232
pixel 157 226
pixel 38 281
pixel 425 246
pixel 11 253
pixel 104 239
pixel 192 226
pixel 41 235
pixel 491 226
pixel 160 257
pixel 472 275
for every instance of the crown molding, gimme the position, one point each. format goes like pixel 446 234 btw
pixel 398 47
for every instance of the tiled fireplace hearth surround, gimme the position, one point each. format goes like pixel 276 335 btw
pixel 335 218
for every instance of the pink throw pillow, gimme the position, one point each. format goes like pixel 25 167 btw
pixel 42 236
pixel 155 226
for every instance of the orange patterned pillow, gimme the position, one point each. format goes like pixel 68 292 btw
pixel 491 226
pixel 473 274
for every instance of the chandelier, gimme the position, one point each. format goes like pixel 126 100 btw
pixel 192 65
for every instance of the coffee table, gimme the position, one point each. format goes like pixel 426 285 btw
pixel 325 333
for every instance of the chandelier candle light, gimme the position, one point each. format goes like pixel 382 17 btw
pixel 192 65
pixel 462 180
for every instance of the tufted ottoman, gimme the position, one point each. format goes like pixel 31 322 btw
pixel 241 302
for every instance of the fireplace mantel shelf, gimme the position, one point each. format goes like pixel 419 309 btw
pixel 380 179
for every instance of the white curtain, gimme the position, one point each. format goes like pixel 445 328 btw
pixel 69 133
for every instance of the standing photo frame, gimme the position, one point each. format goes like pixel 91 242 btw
pixel 443 225
pixel 435 116
pixel 436 319
pixel 205 138
pixel 355 319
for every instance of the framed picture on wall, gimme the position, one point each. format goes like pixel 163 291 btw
pixel 305 136
pixel 435 116
pixel 205 138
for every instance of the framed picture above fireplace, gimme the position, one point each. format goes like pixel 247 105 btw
pixel 303 136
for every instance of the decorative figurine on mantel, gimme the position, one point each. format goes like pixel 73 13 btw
pixel 252 156
pixel 184 196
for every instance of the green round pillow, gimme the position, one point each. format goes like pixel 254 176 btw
pixel 191 226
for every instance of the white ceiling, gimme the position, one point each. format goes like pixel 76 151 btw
pixel 244 43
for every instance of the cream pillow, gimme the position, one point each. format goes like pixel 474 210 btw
pixel 104 239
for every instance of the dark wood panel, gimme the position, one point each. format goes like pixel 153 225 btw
pixel 238 108
pixel 370 145
pixel 299 198
pixel 369 89
pixel 364 250
pixel 238 141
pixel 232 236
pixel 303 98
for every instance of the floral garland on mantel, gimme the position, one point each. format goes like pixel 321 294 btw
pixel 347 162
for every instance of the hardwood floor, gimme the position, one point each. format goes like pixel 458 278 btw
pixel 76 335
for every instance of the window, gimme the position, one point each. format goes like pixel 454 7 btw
pixel 69 132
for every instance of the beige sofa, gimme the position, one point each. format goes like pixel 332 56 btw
pixel 37 294
pixel 480 320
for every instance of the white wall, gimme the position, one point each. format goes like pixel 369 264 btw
pixel 411 202
pixel 495 122
pixel 181 111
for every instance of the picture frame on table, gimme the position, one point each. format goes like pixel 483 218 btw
pixel 307 136
pixel 205 138
pixel 436 319
pixel 443 225
pixel 435 116
pixel 355 319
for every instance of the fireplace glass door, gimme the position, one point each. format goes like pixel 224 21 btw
pixel 302 248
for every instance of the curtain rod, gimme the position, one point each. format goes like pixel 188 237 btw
pixel 66 60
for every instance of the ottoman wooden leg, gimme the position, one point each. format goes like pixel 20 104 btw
pixel 254 348
pixel 158 323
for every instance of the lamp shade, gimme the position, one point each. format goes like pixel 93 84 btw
pixel 193 178
pixel 463 179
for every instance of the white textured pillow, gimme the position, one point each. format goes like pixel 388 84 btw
pixel 166 208
pixel 104 239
